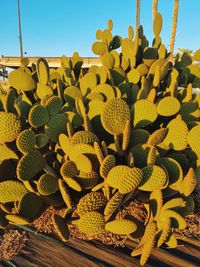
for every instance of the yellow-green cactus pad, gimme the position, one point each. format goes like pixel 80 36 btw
pixel 93 201
pixel 69 169
pixel 87 179
pixel 106 165
pixel 116 174
pixel 154 177
pixel 42 71
pixel 121 227
pixel 65 194
pixel 56 125
pixel 60 226
pixel 130 181
pixel 91 223
pixel 10 127
pixel 157 24
pixel 30 205
pixel 152 155
pixel 38 116
pixel 88 82
pixel 177 220
pixel 140 154
pixel 190 111
pixel 113 204
pixel 144 113
pixel 134 76
pixel 194 139
pixel 47 184
pixel 16 219
pixel 157 137
pixel 108 60
pixel 168 106
pixel 176 137
pixel 99 48
pixel 53 105
pixel 106 90
pixel 165 231
pixel 11 191
pixel 85 137
pixel 71 93
pixel 21 80
pixel 174 171
pixel 41 140
pixel 72 183
pixel 138 136
pixel 29 165
pixel 189 183
pixel 174 203
pixel 115 115
pixel 26 141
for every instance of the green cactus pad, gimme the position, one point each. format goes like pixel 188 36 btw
pixel 10 127
pixel 56 125
pixel 60 226
pixel 47 184
pixel 41 140
pixel 53 105
pixel 29 165
pixel 65 194
pixel 174 170
pixel 38 116
pixel 93 201
pixel 30 205
pixel 26 141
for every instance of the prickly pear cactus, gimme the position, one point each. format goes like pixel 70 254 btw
pixel 92 140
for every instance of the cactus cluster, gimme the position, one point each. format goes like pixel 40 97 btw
pixel 91 140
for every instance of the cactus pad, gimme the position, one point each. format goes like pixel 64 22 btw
pixel 114 116
pixel 10 127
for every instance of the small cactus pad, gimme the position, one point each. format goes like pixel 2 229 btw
pixel 61 227
pixel 47 184
pixel 121 227
pixel 26 141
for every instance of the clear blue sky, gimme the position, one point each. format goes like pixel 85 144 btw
pixel 57 27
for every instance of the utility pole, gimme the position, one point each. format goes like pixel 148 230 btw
pixel 19 28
